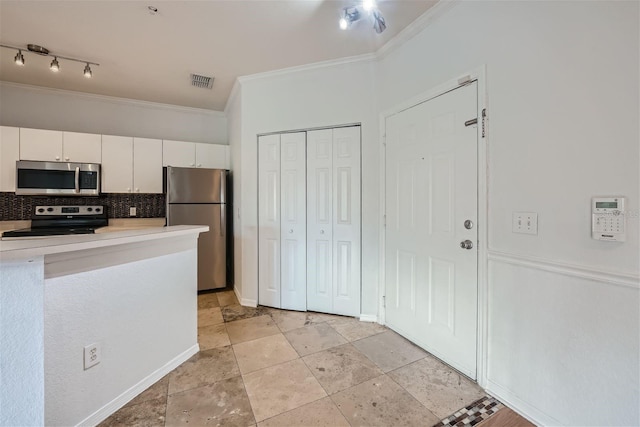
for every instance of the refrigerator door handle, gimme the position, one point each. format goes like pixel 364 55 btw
pixel 222 213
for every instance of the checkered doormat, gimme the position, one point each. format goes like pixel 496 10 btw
pixel 472 414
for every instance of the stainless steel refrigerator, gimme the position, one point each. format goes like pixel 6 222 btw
pixel 201 197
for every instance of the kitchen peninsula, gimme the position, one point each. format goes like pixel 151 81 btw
pixel 130 294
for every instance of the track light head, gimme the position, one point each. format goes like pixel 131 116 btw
pixel 368 5
pixel 87 71
pixel 379 24
pixel 19 58
pixel 55 67
pixel 349 16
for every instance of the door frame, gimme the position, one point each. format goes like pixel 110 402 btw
pixel 478 75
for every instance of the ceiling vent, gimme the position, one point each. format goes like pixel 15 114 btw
pixel 201 81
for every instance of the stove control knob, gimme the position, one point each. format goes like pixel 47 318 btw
pixel 49 209
pixel 90 209
pixel 41 210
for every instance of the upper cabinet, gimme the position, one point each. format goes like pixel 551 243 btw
pixel 9 154
pixel 195 155
pixel 131 165
pixel 56 146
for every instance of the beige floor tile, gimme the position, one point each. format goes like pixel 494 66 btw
pixel 440 388
pixel 281 388
pixel 235 312
pixel 320 413
pixel 209 300
pixel 355 330
pixel 223 403
pixel 204 368
pixel 146 414
pixel 251 329
pixel 156 391
pixel 213 336
pixel 289 320
pixel 263 352
pixel 389 350
pixel 226 298
pixel 209 316
pixel 382 402
pixel 312 339
pixel 341 367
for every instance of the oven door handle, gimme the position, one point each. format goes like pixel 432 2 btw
pixel 77 179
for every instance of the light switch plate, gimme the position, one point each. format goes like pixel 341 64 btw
pixel 525 222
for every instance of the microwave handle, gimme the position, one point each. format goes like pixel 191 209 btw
pixel 77 179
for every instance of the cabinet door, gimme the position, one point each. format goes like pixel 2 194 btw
pixel 147 165
pixel 39 144
pixel 178 153
pixel 117 164
pixel 293 222
pixel 320 220
pixel 346 221
pixel 81 147
pixel 9 154
pixel 213 156
pixel 269 220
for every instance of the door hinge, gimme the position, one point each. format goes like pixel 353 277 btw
pixel 484 116
pixel 384 220
pixel 384 301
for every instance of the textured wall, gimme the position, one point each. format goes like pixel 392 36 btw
pixel 14 208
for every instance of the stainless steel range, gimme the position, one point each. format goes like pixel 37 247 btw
pixel 61 220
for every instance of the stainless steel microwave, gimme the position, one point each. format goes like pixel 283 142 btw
pixel 57 178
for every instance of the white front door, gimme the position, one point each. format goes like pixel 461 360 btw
pixel 431 190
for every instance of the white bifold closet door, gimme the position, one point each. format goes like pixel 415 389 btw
pixel 282 259
pixel 333 220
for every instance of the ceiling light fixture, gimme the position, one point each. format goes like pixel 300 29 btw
pixel 352 14
pixel 19 59
pixel 43 51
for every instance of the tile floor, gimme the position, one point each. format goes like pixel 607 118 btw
pixel 266 367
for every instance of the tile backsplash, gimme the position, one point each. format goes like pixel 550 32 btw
pixel 14 208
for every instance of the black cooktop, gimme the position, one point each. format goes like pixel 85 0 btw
pixel 62 220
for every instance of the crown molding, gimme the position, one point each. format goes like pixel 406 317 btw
pixel 417 26
pixel 308 67
pixel 114 100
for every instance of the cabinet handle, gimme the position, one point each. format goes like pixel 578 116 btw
pixel 199 165
pixel 128 189
pixel 66 158
pixel 137 190
pixel 192 164
pixel 57 157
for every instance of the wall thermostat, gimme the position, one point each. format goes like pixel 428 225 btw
pixel 608 218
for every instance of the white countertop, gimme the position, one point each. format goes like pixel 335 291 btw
pixel 17 249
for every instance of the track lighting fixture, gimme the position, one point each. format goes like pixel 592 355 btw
pixel 43 51
pixel 55 67
pixel 368 7
pixel 19 58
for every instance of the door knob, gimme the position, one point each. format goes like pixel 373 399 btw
pixel 291 231
pixel 321 231
pixel 468 224
pixel 467 244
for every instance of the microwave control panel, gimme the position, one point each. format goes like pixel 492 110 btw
pixel 608 219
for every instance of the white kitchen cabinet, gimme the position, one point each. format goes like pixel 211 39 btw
pixel 195 155
pixel 147 165
pixel 40 144
pixel 213 156
pixel 9 154
pixel 57 146
pixel 131 165
pixel 178 153
pixel 81 147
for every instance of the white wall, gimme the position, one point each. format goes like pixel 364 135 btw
pixel 21 343
pixel 563 91
pixel 333 95
pixel 42 108
pixel 142 313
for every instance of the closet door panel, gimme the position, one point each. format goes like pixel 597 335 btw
pixel 269 259
pixel 346 221
pixel 320 220
pixel 293 221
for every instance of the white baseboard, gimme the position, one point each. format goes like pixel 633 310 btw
pixel 531 413
pixel 244 301
pixel 369 318
pixel 117 403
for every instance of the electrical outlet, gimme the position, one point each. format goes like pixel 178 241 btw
pixel 132 211
pixel 92 355
pixel 525 222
